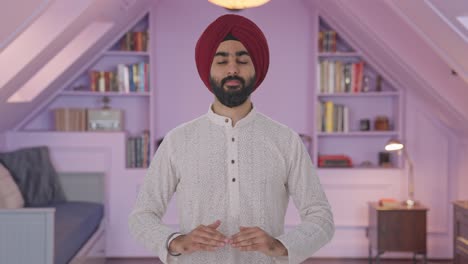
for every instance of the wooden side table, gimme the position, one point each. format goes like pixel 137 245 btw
pixel 460 232
pixel 399 228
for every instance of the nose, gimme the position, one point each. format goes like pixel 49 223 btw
pixel 233 68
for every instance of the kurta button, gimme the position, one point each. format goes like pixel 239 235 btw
pixel 232 139
pixel 226 120
pixel 233 179
pixel 232 161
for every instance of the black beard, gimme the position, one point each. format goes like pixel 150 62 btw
pixel 235 97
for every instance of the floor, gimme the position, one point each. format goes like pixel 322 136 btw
pixel 311 261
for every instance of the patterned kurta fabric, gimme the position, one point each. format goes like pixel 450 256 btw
pixel 241 175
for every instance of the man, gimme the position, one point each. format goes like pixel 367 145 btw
pixel 233 169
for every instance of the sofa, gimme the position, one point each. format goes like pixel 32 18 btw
pixel 38 224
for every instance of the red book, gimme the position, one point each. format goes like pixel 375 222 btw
pixel 93 81
pixel 137 41
pixel 107 81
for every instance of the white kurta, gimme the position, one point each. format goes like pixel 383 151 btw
pixel 241 175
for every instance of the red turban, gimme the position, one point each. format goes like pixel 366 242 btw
pixel 242 29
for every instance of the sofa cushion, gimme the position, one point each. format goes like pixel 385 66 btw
pixel 10 195
pixel 35 175
pixel 75 223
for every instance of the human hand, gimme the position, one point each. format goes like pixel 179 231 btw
pixel 202 238
pixel 255 239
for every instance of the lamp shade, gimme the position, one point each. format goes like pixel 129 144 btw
pixel 394 145
pixel 238 4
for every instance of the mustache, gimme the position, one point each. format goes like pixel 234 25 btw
pixel 231 78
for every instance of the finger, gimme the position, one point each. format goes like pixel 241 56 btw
pixel 244 237
pixel 205 240
pixel 210 233
pixel 211 230
pixel 215 225
pixel 248 242
pixel 244 232
pixel 241 232
pixel 251 248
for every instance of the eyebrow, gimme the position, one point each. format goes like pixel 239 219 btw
pixel 238 53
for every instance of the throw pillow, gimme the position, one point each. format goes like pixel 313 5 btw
pixel 37 179
pixel 10 196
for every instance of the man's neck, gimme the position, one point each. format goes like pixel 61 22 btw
pixel 235 113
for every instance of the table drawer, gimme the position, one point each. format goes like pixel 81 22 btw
pixel 461 246
pixel 461 230
pixel 461 215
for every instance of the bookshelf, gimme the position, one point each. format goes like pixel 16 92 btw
pixel 124 174
pixel 121 75
pixel 357 110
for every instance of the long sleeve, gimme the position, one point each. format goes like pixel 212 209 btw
pixel 316 227
pixel 155 193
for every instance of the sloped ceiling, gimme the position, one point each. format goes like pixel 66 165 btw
pixel 19 18
pixel 400 49
pixel 118 13
pixel 416 43
pixel 444 32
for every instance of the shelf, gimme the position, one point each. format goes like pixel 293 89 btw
pixel 88 93
pixel 358 134
pixel 137 170
pixel 360 94
pixel 357 168
pixel 72 133
pixel 125 53
pixel 338 54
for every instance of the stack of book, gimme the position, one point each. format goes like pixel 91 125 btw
pixel 134 41
pixel 138 152
pixel 126 78
pixel 332 117
pixel 327 41
pixel 70 119
pixel 340 77
pixel 389 203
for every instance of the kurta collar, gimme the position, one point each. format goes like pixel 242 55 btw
pixel 226 121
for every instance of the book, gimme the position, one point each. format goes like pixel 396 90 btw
pixel 389 202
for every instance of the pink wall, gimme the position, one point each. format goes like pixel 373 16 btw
pixel 440 170
pixel 181 96
pixel 284 96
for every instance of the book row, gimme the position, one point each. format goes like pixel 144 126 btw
pixel 134 41
pixel 341 77
pixel 126 78
pixel 327 41
pixel 332 117
pixel 138 150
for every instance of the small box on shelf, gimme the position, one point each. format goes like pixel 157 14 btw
pixel 105 120
pixel 83 119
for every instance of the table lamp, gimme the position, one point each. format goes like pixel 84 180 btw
pixel 396 145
